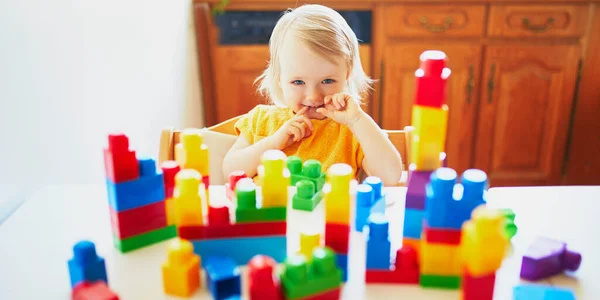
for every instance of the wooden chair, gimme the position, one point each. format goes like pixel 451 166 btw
pixel 170 137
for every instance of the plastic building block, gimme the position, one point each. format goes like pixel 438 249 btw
pixel 439 281
pixel 188 200
pixel 509 217
pixel 337 237
pixel 415 192
pixel 365 198
pixel 405 270
pixel 439 259
pixel 547 257
pixel 93 291
pixel 301 278
pixel 306 197
pixel 341 261
pixel 191 152
pixel 248 210
pixel 181 271
pixel 448 204
pixel 441 236
pixel 431 79
pixel 262 282
pixel 413 223
pixel 541 292
pixel 337 194
pixel 169 168
pixel 378 243
pixel 170 210
pixel 310 170
pixel 222 277
pixel 378 195
pixel 120 163
pixel 138 220
pixel 236 230
pixel 483 243
pixel 308 242
pixel 234 177
pixel 148 188
pixel 144 239
pixel 275 178
pixel 328 295
pixel 429 135
pixel 86 265
pixel 241 250
pixel 477 287
pixel 414 243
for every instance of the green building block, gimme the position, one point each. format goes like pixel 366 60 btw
pixel 301 278
pixel 509 217
pixel 144 239
pixel 310 170
pixel 247 210
pixel 306 197
pixel 438 281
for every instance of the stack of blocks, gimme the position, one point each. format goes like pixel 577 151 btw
pixel 309 180
pixel 181 271
pixel 337 213
pixel 429 117
pixel 192 153
pixel 136 195
pixel 448 205
pixel 314 278
pixel 258 228
pixel 87 273
pixel 369 200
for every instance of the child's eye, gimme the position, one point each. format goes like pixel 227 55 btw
pixel 298 82
pixel 328 81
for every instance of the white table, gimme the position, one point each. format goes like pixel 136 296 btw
pixel 37 241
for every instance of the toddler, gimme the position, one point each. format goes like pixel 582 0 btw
pixel 314 81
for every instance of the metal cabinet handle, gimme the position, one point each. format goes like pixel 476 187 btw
pixel 470 83
pixel 538 28
pixel 491 83
pixel 448 21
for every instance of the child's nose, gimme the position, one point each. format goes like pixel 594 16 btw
pixel 314 96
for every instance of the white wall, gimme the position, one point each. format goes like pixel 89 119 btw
pixel 72 71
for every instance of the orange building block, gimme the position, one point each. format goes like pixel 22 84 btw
pixel 181 271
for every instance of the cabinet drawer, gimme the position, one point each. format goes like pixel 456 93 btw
pixel 536 20
pixel 434 20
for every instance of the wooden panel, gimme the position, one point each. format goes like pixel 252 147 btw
pixel 537 20
pixel 292 3
pixel 434 20
pixel 524 112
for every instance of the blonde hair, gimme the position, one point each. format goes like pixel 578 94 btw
pixel 326 33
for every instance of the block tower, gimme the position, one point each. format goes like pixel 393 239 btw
pixel 136 196
pixel 448 205
pixel 429 117
pixel 192 153
pixel 337 213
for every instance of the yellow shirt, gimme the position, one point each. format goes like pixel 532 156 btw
pixel 329 143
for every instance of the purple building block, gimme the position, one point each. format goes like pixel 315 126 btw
pixel 547 257
pixel 415 193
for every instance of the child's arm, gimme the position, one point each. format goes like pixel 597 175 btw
pixel 245 156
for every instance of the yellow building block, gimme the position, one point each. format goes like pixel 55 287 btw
pixel 337 193
pixel 439 259
pixel 308 242
pixel 274 178
pixel 170 210
pixel 191 152
pixel 483 242
pixel 429 136
pixel 181 271
pixel 188 199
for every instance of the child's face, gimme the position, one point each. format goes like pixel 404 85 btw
pixel 306 78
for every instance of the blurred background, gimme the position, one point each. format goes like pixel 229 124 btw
pixel 524 94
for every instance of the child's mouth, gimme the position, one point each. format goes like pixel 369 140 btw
pixel 314 106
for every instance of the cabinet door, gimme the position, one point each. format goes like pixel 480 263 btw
pixel 399 65
pixel 524 113
pixel 235 69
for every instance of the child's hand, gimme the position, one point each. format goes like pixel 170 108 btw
pixel 294 130
pixel 341 108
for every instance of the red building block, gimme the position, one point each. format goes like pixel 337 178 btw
pixel 477 288
pixel 169 168
pixel 430 85
pixel 263 283
pixel 234 177
pixel 406 269
pixel 206 181
pixel 337 237
pixel 442 236
pixel 93 291
pixel 120 163
pixel 232 230
pixel 138 220
pixel 218 215
pixel 329 295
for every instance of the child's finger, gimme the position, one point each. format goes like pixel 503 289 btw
pixel 324 112
pixel 308 123
pixel 302 111
pixel 342 100
pixel 327 99
pixel 295 131
pixel 336 101
pixel 302 127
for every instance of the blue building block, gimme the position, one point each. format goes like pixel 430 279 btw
pixel 450 204
pixel 413 223
pixel 147 189
pixel 364 202
pixel 241 250
pixel 378 243
pixel 86 265
pixel 222 277
pixel 341 261
pixel 541 292
pixel 377 185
